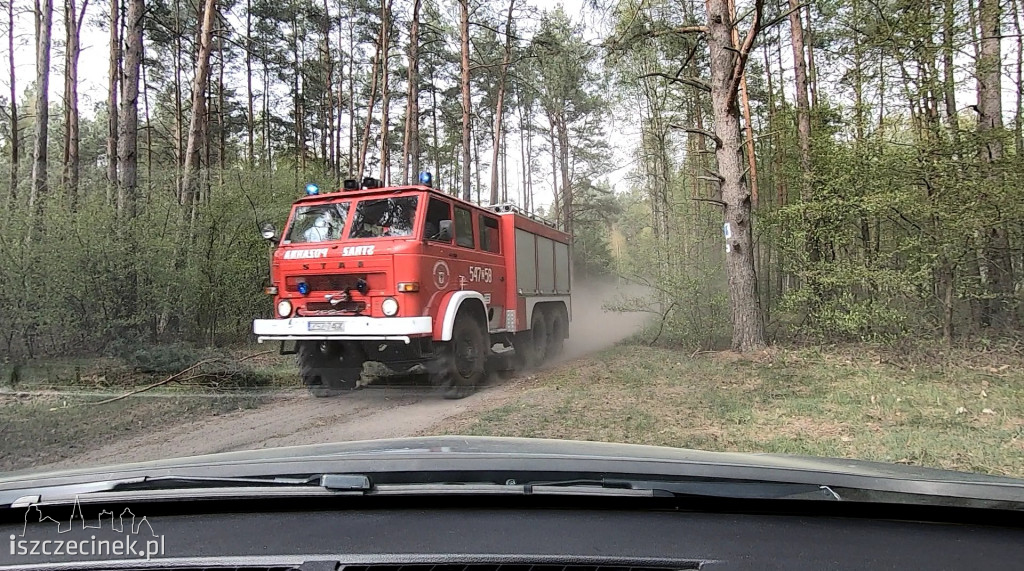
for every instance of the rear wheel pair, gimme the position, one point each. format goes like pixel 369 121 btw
pixel 330 368
pixel 546 338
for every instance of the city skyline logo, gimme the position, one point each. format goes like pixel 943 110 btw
pixel 123 534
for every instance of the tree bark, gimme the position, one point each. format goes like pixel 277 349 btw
pixel 727 64
pixel 748 127
pixel 12 194
pixel 802 105
pixel 196 126
pixel 128 124
pixel 113 77
pixel 72 32
pixel 464 33
pixel 499 110
pixel 44 24
pixel 411 143
pixel 1018 119
pixel 990 127
pixel 250 119
pixel 369 108
pixel 385 93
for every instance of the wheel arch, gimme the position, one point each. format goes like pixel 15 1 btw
pixel 453 303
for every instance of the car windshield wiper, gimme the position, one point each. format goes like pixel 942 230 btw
pixel 742 489
pixel 155 487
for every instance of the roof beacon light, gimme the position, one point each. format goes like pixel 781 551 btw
pixel 425 178
pixel 312 189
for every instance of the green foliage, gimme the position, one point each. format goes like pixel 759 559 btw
pixel 79 281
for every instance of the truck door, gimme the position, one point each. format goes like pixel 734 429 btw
pixel 478 269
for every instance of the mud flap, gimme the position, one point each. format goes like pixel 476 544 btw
pixel 289 348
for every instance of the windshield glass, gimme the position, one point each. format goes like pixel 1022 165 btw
pixel 317 223
pixel 771 228
pixel 384 217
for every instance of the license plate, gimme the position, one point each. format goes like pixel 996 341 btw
pixel 326 326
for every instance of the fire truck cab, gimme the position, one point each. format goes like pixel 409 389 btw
pixel 418 280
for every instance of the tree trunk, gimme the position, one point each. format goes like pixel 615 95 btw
pixel 990 126
pixel 369 109
pixel 196 127
pixel 352 92
pixel 506 59
pixel 802 105
pixel 1018 120
pixel 748 127
pixel 44 23
pixel 128 142
pixel 567 190
pixel 948 81
pixel 113 77
pixel 250 119
pixel 411 143
pixel 297 70
pixel 385 93
pixel 464 33
pixel 73 32
pixel 812 70
pixel 12 195
pixel 726 71
pixel 179 111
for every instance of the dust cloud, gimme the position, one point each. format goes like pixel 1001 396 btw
pixel 593 328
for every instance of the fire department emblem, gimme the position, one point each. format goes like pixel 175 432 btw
pixel 441 274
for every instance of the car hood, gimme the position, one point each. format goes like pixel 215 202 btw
pixel 470 453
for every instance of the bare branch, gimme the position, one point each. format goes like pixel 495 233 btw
pixel 691 81
pixel 711 200
pixel 704 132
pixel 748 43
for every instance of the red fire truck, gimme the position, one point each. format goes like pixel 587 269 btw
pixel 418 280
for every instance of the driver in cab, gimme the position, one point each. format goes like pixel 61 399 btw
pixel 320 230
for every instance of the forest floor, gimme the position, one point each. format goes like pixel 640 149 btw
pixel 961 410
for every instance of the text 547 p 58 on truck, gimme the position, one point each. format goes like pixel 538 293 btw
pixel 417 280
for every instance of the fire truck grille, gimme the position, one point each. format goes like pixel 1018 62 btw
pixel 337 282
pixel 321 308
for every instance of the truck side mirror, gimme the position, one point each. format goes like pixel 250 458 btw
pixel 445 232
pixel 269 232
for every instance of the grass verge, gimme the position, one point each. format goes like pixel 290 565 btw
pixel 52 412
pixel 967 415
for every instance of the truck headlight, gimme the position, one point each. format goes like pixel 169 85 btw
pixel 389 306
pixel 284 308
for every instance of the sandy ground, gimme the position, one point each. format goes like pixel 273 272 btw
pixel 295 418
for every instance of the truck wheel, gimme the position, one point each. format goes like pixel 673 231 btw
pixel 539 335
pixel 329 368
pixel 556 332
pixel 465 359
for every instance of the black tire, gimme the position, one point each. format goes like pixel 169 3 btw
pixel 537 350
pixel 557 324
pixel 464 366
pixel 329 368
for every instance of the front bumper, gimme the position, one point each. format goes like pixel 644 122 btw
pixel 358 328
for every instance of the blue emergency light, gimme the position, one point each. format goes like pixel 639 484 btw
pixel 303 288
pixel 312 189
pixel 425 178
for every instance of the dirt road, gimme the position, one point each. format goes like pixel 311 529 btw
pixel 295 418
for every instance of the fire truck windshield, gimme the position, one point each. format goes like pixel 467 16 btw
pixel 317 223
pixel 384 217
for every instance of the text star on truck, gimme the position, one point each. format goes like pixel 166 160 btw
pixel 418 280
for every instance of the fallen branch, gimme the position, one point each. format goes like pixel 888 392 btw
pixel 175 377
